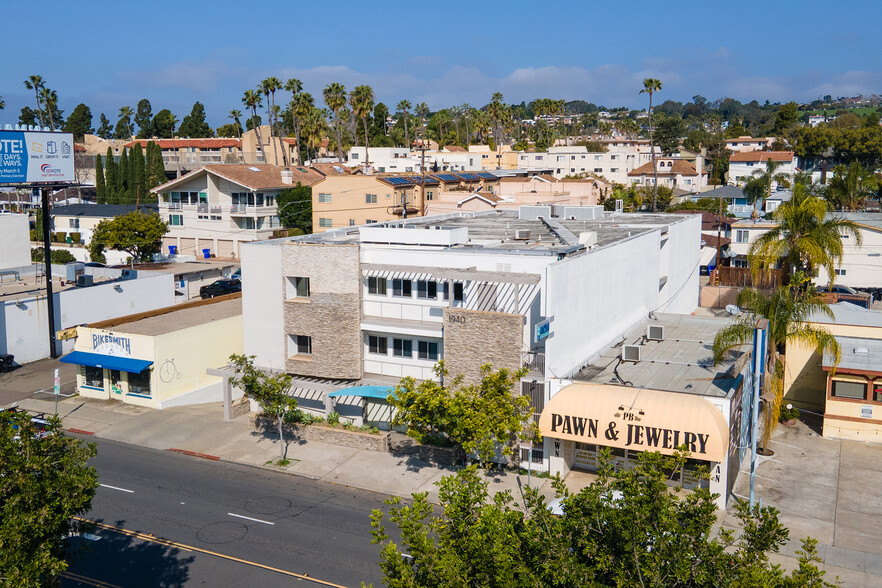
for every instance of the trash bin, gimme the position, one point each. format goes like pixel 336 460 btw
pixel 206 253
pixel 172 249
pixel 6 362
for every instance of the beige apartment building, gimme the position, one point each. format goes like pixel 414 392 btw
pixel 340 200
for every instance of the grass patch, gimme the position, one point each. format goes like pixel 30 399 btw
pixel 281 463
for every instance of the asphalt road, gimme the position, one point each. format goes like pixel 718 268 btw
pixel 166 519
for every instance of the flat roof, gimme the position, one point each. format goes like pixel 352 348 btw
pixel 184 318
pixel 846 313
pixel 682 362
pixel 857 354
pixel 495 230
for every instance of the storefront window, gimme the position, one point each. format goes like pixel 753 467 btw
pixel 877 391
pixel 854 390
pixel 93 377
pixel 140 383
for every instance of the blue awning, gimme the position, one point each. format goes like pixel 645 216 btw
pixel 110 362
pixel 364 392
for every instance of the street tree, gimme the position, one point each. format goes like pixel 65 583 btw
pixel 788 310
pixel 45 484
pixel 626 529
pixel 136 233
pixel 651 86
pixel 482 418
pixel 270 391
pixel 79 123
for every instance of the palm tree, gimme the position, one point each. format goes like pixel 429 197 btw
pixel 301 106
pixel 497 112
pixel 173 121
pixel 362 102
pixel 651 86
pixel 268 87
pixel 252 100
pixel 788 310
pixel 335 97
pixel 466 113
pixel 759 186
pixel 235 114
pixel 803 240
pixel 403 107
pixel 36 84
pixel 850 186
pixel 50 99
pixel 125 114
pixel 315 126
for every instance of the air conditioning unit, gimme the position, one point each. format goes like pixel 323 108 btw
pixel 655 333
pixel 84 280
pixel 631 353
pixel 522 235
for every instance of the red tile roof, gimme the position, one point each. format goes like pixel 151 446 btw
pixel 762 156
pixel 254 177
pixel 176 143
pixel 679 167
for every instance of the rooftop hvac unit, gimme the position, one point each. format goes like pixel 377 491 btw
pixel 631 353
pixel 522 235
pixel 655 333
pixel 84 280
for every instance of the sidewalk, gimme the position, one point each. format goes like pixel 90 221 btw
pixel 27 379
pixel 823 488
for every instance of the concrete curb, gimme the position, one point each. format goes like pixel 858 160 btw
pixel 194 454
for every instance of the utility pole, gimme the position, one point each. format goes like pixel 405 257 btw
pixel 47 263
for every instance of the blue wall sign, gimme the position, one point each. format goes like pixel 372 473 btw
pixel 27 156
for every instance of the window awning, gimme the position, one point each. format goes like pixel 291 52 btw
pixel 364 392
pixel 637 419
pixel 110 362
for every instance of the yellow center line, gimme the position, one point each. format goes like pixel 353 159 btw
pixel 86 580
pixel 184 547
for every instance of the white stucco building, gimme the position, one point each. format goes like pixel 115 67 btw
pixel 742 165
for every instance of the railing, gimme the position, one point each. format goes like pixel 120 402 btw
pixel 174 205
pixel 534 361
pixel 742 277
pixel 238 208
pixel 202 207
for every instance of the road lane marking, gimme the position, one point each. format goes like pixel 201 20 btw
pixel 249 519
pixel 115 488
pixel 86 580
pixel 184 547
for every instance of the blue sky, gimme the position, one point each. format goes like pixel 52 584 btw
pixel 111 54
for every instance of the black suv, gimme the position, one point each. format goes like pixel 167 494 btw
pixel 219 288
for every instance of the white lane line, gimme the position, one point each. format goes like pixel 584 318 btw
pixel 249 519
pixel 115 488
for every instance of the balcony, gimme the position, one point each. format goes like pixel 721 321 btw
pixel 534 361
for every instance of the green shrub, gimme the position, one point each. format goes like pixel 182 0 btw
pixel 60 237
pixel 334 418
pixel 76 237
pixel 789 413
pixel 34 235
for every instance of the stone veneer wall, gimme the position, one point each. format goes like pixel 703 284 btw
pixel 474 337
pixel 332 313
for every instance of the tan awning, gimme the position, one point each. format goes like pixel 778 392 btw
pixel 638 419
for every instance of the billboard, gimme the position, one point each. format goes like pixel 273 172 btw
pixel 28 156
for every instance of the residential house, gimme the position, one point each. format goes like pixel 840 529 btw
pixel 672 172
pixel 83 218
pixel 745 144
pixel 743 165
pixel 182 155
pixel 218 207
pixel 736 201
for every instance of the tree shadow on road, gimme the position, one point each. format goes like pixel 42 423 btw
pixel 116 559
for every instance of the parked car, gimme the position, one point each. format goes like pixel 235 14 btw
pixel 236 275
pixel 219 288
pixel 848 294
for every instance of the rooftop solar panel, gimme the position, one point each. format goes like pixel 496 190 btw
pixel 486 175
pixel 398 181
pixel 447 177
pixel 469 177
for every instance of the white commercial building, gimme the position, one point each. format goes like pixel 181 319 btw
pixel 543 286
pixel 15 242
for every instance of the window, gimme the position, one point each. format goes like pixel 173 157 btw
pixel 427 350
pixel 139 383
pixel 427 289
pixel 299 287
pixel 73 223
pixel 326 198
pixel 326 222
pixel 302 344
pixel 458 292
pixel 370 222
pixel 839 272
pixel 538 158
pixel 877 391
pixel 377 286
pixel 612 157
pixel 378 345
pixel 353 155
pixel 855 390
pixel 742 235
pixel 370 198
pixel 430 195
pixel 613 169
pixel 402 348
pixel 93 377
pixel 176 220
pixel 401 288
pixel 597 170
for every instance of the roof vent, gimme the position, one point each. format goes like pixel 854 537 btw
pixel 287 176
pixel 522 235
pixel 655 333
pixel 631 353
pixel 255 169
pixel 861 350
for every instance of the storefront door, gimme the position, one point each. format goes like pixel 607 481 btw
pixel 115 383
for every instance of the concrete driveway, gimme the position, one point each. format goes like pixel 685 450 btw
pixel 827 489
